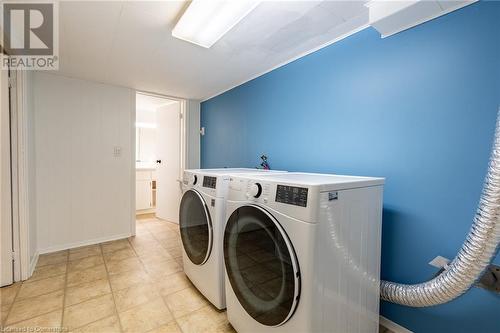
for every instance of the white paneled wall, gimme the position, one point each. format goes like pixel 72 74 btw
pixel 85 193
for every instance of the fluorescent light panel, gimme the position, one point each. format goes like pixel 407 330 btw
pixel 205 21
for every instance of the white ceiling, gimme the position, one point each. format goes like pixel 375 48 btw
pixel 129 43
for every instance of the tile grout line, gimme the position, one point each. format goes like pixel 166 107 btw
pixel 137 254
pixel 11 305
pixel 139 257
pixel 208 305
pixel 141 260
pixel 163 298
pixel 29 318
pixel 22 300
pixel 87 299
pixel 112 292
pixel 169 310
pixel 177 237
pixel 46 278
pixel 94 297
pixel 43 294
pixel 67 261
pixel 66 287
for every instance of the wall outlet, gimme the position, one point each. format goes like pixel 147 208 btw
pixel 202 131
pixel 440 262
pixel 117 151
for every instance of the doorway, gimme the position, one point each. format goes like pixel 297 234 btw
pixel 159 133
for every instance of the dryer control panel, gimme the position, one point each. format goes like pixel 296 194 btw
pixel 209 181
pixel 255 190
pixel 299 202
pixel 291 195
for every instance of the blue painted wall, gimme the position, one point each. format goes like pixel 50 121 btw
pixel 417 108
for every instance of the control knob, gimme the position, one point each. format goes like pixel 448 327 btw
pixel 255 190
pixel 194 179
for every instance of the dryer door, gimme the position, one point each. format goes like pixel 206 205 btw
pixel 261 265
pixel 196 227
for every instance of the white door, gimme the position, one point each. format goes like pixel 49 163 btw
pixel 6 263
pixel 168 151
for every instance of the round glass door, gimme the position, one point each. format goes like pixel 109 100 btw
pixel 261 265
pixel 196 227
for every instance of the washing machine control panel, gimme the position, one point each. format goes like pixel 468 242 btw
pixel 189 179
pixel 291 195
pixel 292 200
pixel 257 190
pixel 209 181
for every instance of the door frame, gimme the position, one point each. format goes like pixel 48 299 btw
pixel 6 182
pixel 184 139
pixel 15 168
pixel 23 267
pixel 183 112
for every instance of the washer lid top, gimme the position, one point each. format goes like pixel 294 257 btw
pixel 323 182
pixel 232 171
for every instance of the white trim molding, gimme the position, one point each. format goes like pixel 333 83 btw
pixel 396 328
pixel 22 173
pixel 133 118
pixel 84 243
pixel 33 263
pixel 392 17
pixel 16 166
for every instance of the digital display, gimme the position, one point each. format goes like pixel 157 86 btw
pixel 291 195
pixel 209 181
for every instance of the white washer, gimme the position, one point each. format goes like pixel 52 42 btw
pixel 302 253
pixel 201 221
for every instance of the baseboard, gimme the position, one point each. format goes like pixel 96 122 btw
pixel 145 211
pixel 33 263
pixel 142 216
pixel 83 243
pixel 396 328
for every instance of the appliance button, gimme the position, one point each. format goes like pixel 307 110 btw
pixel 256 190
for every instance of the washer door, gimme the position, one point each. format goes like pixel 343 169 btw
pixel 261 265
pixel 196 227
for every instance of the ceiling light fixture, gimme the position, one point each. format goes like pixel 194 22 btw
pixel 205 21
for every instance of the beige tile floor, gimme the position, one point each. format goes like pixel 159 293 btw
pixel 130 285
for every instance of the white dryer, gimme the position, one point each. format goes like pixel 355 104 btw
pixel 302 253
pixel 201 221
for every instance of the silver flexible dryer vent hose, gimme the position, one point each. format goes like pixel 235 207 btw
pixel 478 250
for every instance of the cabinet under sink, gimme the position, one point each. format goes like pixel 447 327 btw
pixel 145 191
